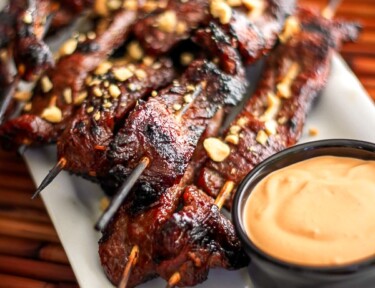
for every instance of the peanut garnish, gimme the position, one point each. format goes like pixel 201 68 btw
pixel 68 47
pixel 216 149
pixel 52 114
pixel 114 91
pixel 220 9
pixel 103 68
pixel 167 21
pixel 262 137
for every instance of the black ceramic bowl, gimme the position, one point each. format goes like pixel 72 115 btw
pixel 269 272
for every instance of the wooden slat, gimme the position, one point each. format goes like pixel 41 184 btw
pixel 14 197
pixel 19 213
pixel 28 230
pixel 40 270
pixel 27 248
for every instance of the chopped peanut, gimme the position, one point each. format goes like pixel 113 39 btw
pixel 216 149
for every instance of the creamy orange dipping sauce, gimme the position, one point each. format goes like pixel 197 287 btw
pixel 318 212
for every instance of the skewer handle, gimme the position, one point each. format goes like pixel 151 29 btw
pixel 121 195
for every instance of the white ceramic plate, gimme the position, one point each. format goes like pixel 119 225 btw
pixel 343 111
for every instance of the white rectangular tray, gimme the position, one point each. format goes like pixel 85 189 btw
pixel 343 111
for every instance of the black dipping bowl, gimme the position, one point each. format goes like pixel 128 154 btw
pixel 268 272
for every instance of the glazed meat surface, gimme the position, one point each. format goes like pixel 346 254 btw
pixel 68 75
pixel 166 129
pixel 92 128
pixel 189 240
pixel 196 239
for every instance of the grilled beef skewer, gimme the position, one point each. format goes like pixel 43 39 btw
pixel 273 118
pixel 25 26
pixel 62 88
pixel 141 217
pixel 196 239
pixel 92 128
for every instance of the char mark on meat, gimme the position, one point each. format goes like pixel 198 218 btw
pixel 166 129
pixel 90 131
pixel 70 73
pixel 195 239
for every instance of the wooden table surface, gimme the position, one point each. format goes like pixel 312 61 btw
pixel 31 254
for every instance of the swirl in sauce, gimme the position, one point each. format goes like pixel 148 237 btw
pixel 318 212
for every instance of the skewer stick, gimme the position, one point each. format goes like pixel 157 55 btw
pixel 133 257
pixel 50 176
pixel 196 93
pixel 330 10
pixel 224 194
pixel 121 195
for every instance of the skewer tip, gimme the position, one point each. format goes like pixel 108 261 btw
pixel 50 176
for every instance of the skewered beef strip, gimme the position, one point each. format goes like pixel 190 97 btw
pixel 23 27
pixel 253 30
pixel 90 131
pixel 68 75
pixel 141 216
pixel 145 206
pixel 128 229
pixel 196 239
pixel 166 129
pixel 204 239
pixel 273 118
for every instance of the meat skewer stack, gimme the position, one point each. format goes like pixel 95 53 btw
pixel 260 48
pixel 291 72
pixel 169 226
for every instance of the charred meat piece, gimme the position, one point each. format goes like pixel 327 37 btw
pixel 132 226
pixel 195 239
pixel 273 118
pixel 183 231
pixel 78 6
pixel 23 28
pixel 67 78
pixel 166 129
pixel 90 131
pixel 253 29
pixel 164 28
pixel 214 40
